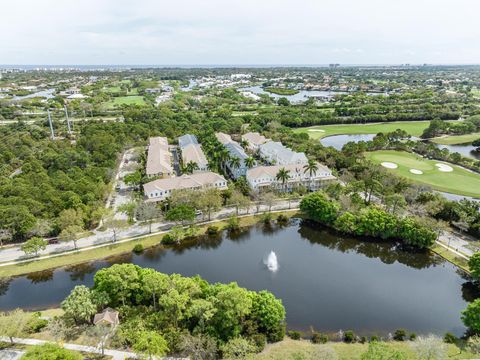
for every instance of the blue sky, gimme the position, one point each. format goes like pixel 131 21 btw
pixel 239 32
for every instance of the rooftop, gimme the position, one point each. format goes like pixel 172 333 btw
pixel 158 158
pixel 184 182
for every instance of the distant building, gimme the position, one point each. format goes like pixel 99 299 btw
pixel 277 154
pixel 263 177
pixel 159 161
pixel 254 140
pixel 161 189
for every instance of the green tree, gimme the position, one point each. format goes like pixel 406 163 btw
pixel 311 167
pixel 17 219
pixel 121 282
pixel 34 245
pixel 209 201
pixel 471 316
pixel 235 162
pixel 239 200
pixel 13 324
pixel 190 167
pixel 181 213
pixel 129 210
pixel 474 265
pixel 269 313
pixel 249 162
pixel 99 335
pixel 147 212
pixel 133 179
pixel 199 347
pixel 50 352
pixel 150 343
pixel 70 217
pixel 283 175
pixel 71 233
pixel 319 208
pixel 79 305
pixel 346 223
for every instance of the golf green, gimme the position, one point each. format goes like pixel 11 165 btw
pixel 459 181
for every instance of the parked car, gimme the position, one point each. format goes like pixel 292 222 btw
pixel 53 241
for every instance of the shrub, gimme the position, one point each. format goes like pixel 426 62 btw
pixel 36 324
pixel 449 338
pixel 138 248
pixel 233 224
pixel 363 339
pixel 282 219
pixel 168 239
pixel 259 340
pixel 400 335
pixel 373 338
pixel 212 230
pixel 50 351
pixel 349 336
pixel 319 338
pixel 294 334
pixel 237 348
pixel 267 218
pixel 412 336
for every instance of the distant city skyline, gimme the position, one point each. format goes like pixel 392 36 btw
pixel 239 33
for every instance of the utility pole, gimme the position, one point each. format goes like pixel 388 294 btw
pixel 50 123
pixel 68 120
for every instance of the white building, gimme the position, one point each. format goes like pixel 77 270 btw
pixel 277 154
pixel 254 140
pixel 161 189
pixel 266 177
pixel 159 159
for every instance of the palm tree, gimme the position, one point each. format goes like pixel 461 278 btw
pixel 235 162
pixel 244 144
pixel 190 167
pixel 283 175
pixel 249 162
pixel 312 168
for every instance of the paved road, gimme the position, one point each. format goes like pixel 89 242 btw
pixel 115 354
pixel 10 254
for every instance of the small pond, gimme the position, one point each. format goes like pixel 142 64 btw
pixel 325 281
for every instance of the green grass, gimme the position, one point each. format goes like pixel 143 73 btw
pixel 457 139
pixel 124 100
pixel 459 181
pixel 295 349
pixel 450 257
pixel 414 128
pixel 281 91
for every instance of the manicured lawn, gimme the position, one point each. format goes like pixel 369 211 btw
pixel 457 139
pixel 295 349
pixel 414 128
pixel 125 100
pixel 459 181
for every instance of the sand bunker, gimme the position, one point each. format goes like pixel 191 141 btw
pixel 389 165
pixel 316 130
pixel 416 171
pixel 444 167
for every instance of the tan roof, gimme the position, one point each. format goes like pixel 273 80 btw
pixel 272 171
pixel 223 138
pixel 158 159
pixel 108 315
pixel 255 138
pixel 196 180
pixel 194 152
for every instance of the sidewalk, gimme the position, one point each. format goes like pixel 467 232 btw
pixel 115 354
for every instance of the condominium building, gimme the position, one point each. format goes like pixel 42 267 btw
pixel 159 159
pixel 277 154
pixel 161 189
pixel 254 140
pixel 192 152
pixel 262 177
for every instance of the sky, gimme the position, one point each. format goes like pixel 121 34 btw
pixel 243 32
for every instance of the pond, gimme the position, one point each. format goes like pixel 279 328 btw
pixel 324 281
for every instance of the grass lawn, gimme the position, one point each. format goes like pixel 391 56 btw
pixel 457 139
pixel 294 349
pixel 414 128
pixel 124 100
pixel 459 181
pixel 73 258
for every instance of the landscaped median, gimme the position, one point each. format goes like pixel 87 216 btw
pixel 110 249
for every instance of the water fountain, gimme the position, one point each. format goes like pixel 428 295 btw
pixel 271 261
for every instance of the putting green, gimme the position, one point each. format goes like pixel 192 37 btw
pixel 459 181
pixel 414 128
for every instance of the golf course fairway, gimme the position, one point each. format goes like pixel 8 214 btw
pixel 456 181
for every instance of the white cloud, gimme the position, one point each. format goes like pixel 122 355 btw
pixel 238 31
